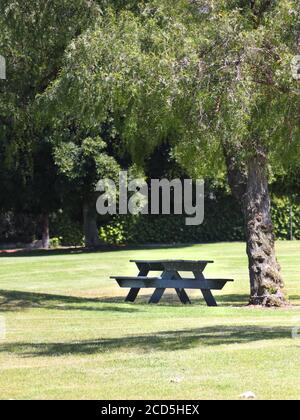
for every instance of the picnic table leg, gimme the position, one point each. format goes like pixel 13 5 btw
pixel 157 295
pixel 132 295
pixel 207 294
pixel 209 299
pixel 181 292
pixel 183 296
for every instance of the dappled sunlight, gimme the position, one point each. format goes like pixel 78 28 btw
pixel 168 341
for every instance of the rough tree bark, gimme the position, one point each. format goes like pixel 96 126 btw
pixel 91 233
pixel 249 184
pixel 267 287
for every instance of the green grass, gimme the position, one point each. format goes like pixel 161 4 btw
pixel 69 334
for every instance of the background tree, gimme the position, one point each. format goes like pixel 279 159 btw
pixel 34 35
pixel 83 161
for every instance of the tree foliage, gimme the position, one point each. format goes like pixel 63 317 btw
pixel 223 67
pixel 33 38
pixel 128 72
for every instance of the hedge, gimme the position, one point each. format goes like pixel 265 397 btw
pixel 223 222
pixel 65 232
pixel 281 213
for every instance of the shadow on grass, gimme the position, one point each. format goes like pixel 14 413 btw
pixel 242 300
pixel 163 341
pixel 78 251
pixel 12 301
pixel 294 298
pixel 171 299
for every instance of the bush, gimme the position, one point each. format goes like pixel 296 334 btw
pixel 18 228
pixel 282 220
pixel 55 243
pixel 68 231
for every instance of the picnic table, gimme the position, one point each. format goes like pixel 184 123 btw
pixel 171 278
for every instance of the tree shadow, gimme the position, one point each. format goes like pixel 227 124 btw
pixel 13 301
pixel 81 250
pixel 168 300
pixel 236 300
pixel 54 252
pixel 294 298
pixel 163 341
pixel 171 300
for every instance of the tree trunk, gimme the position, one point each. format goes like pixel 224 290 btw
pixel 91 233
pixel 249 184
pixel 267 287
pixel 45 231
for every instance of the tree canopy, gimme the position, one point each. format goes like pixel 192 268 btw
pixel 195 74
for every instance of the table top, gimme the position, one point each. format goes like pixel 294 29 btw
pixel 173 261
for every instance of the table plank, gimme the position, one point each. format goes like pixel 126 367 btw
pixel 172 261
pixel 158 282
pixel 173 265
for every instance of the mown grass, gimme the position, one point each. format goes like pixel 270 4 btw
pixel 70 336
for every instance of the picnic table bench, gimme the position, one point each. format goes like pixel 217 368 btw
pixel 170 278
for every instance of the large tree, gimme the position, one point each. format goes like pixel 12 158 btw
pixel 83 161
pixel 249 105
pixel 33 38
pixel 215 77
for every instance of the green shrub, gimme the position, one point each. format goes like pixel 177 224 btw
pixel 55 243
pixel 223 222
pixel 282 220
pixel 69 231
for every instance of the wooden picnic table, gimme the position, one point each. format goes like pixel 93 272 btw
pixel 171 278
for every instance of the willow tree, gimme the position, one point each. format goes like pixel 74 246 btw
pixel 213 76
pixel 247 104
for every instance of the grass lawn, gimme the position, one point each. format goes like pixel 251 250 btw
pixel 69 334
